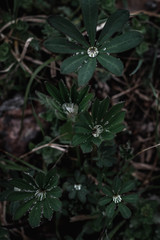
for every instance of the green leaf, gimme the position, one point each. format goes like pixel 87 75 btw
pixel 113 111
pixel 86 72
pixel 72 64
pixel 102 109
pixel 52 182
pixel 61 45
pixel 116 128
pixel 82 93
pixel 29 179
pixel 112 64
pixel 54 203
pixel 124 210
pixel 85 102
pixel 90 17
pixel 131 198
pixel 51 176
pixel 64 92
pixel 79 139
pixel 47 211
pixel 128 186
pixel 48 101
pixel 18 196
pixel 110 209
pixel 40 180
pixel 23 209
pixel 56 192
pixel 83 130
pixel 95 108
pixel 123 42
pixel 107 191
pixel 65 26
pixel 116 185
pixel 86 147
pixel 35 215
pixel 105 200
pixel 97 141
pixel 118 118
pixel 107 135
pixel 85 120
pixel 21 184
pixel 114 24
pixel 52 90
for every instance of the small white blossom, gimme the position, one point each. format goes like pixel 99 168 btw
pixel 70 108
pixel 77 187
pixel 40 195
pixel 97 130
pixel 92 52
pixel 117 199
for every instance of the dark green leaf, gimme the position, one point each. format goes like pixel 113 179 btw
pixel 23 209
pixel 86 147
pixel 114 110
pixel 102 109
pixel 90 17
pixel 131 198
pixel 29 179
pixel 21 184
pixel 61 45
pixel 74 94
pixel 97 141
pixel 107 191
pixel 124 210
pixel 72 64
pixel 64 92
pixel 116 128
pixel 85 102
pixel 105 200
pixel 107 135
pixel 116 185
pixel 40 180
pixel 53 181
pixel 18 196
pixel 54 203
pixel 128 186
pixel 79 139
pixel 123 42
pixel 83 130
pixel 65 26
pixel 95 108
pixel 114 24
pixel 52 90
pixel 110 209
pixel 82 195
pixel 112 64
pixel 47 211
pixel 118 118
pixel 82 93
pixel 56 192
pixel 35 215
pixel 86 72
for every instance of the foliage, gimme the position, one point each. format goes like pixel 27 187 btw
pixel 39 196
pixel 77 180
pixel 87 53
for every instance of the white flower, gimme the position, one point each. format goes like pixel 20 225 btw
pixel 92 52
pixel 117 199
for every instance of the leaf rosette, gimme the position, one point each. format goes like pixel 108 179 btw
pixel 99 125
pixel 116 197
pixel 67 103
pixel 39 196
pixel 88 51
